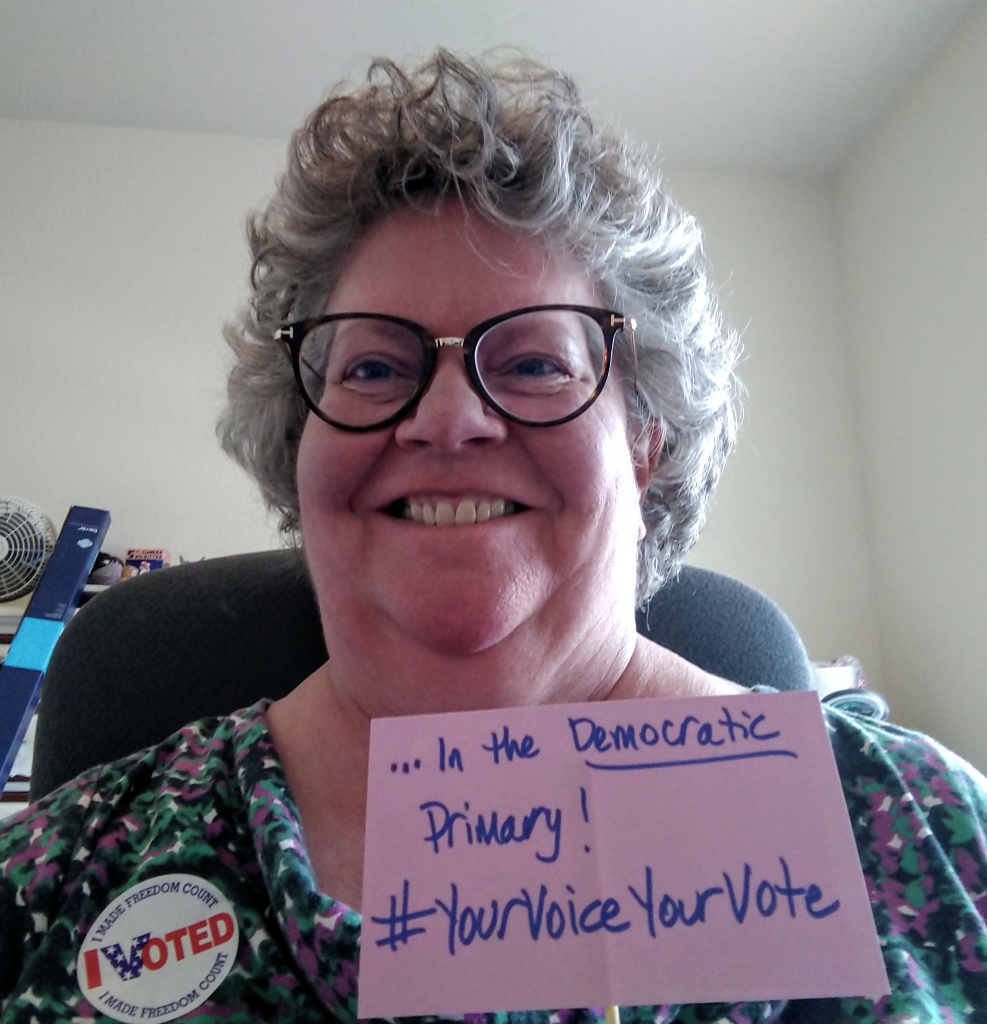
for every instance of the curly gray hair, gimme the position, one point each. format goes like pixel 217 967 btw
pixel 513 140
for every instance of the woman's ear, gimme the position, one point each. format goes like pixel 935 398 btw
pixel 646 453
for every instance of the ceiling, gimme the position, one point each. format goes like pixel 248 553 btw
pixel 778 85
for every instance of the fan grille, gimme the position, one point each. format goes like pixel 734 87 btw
pixel 26 542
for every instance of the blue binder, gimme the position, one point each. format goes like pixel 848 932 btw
pixel 50 608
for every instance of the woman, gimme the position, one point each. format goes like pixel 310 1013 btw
pixel 507 399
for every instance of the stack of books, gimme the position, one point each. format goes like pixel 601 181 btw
pixel 39 626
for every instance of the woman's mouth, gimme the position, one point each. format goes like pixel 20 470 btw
pixel 454 512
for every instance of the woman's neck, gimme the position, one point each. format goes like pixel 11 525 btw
pixel 386 672
pixel 322 728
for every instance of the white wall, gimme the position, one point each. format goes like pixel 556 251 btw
pixel 789 514
pixel 913 222
pixel 121 253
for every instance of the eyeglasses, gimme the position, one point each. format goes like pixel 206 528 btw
pixel 540 366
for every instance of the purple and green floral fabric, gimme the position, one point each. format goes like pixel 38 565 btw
pixel 212 802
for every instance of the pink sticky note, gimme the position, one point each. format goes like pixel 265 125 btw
pixel 615 853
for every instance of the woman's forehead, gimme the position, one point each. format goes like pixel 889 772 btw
pixel 448 253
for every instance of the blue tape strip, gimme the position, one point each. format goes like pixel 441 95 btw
pixel 33 643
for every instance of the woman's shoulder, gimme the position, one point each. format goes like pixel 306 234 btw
pixel 912 800
pixel 904 787
pixel 871 751
pixel 657 671
pixel 919 816
pixel 111 809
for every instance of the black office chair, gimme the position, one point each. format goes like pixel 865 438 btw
pixel 153 653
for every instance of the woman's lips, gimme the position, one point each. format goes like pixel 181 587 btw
pixel 456 511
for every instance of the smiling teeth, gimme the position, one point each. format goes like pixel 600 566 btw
pixel 445 513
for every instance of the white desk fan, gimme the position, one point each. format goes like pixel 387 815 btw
pixel 27 539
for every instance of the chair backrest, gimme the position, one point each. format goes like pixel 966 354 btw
pixel 153 653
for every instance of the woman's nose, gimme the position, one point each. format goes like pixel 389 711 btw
pixel 450 413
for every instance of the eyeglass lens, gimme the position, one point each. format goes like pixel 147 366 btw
pixel 538 366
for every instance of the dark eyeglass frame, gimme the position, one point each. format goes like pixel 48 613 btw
pixel 292 335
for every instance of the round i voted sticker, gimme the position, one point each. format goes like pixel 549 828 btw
pixel 160 949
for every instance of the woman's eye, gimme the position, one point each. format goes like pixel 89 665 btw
pixel 529 368
pixel 536 366
pixel 371 369
pixel 380 377
pixel 535 353
pixel 363 362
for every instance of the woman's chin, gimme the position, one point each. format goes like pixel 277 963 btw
pixel 460 628
pixel 461 610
